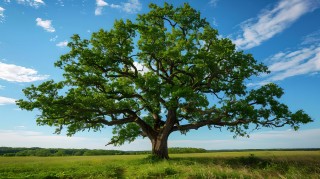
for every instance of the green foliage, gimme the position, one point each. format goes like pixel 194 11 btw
pixel 191 78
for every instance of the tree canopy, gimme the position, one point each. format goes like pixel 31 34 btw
pixel 167 71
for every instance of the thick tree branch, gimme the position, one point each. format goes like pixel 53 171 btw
pixel 216 122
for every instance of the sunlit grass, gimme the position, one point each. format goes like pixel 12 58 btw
pixel 257 164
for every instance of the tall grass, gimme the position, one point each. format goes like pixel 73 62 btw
pixel 278 164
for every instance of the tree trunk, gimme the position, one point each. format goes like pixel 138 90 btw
pixel 160 147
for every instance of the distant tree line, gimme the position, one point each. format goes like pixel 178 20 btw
pixel 43 152
pixel 35 151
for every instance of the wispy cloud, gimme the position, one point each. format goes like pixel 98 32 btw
pixel 62 44
pixel 131 6
pixel 60 3
pixel 213 3
pixel 2 14
pixel 45 24
pixel 5 101
pixel 20 127
pixel 271 22
pixel 2 87
pixel 292 63
pixel 32 3
pixel 14 73
pixel 53 39
pixel 312 38
pixel 304 60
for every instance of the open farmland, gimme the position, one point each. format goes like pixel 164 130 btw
pixel 249 164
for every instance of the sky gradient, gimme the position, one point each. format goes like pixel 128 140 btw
pixel 283 34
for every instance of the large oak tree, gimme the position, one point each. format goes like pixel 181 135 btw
pixel 167 71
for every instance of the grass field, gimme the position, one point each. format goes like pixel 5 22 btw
pixel 257 164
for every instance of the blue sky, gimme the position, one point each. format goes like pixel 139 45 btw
pixel 283 34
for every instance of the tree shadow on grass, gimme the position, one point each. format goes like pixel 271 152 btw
pixel 250 161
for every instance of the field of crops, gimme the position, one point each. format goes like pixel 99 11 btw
pixel 255 164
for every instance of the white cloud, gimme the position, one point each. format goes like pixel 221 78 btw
pixel 2 87
pixel 21 138
pixel 62 44
pixel 214 22
pixel 98 11
pixel 5 100
pixel 304 61
pixel 273 21
pixel 141 69
pixel 14 73
pixel 2 14
pixel 53 39
pixel 132 6
pixel 100 5
pixel 259 140
pixel 312 38
pixel 32 3
pixel 24 138
pixel 60 2
pixel 299 64
pixel 20 127
pixel 45 24
pixel 213 3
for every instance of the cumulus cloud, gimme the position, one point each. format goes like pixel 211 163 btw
pixel 132 6
pixel 32 3
pixel 62 44
pixel 5 101
pixel 14 73
pixel 100 4
pixel 45 24
pixel 2 14
pixel 271 22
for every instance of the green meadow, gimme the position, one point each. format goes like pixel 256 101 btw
pixel 255 164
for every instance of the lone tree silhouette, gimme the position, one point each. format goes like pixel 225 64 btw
pixel 167 71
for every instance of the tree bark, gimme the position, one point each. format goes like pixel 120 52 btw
pixel 160 147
